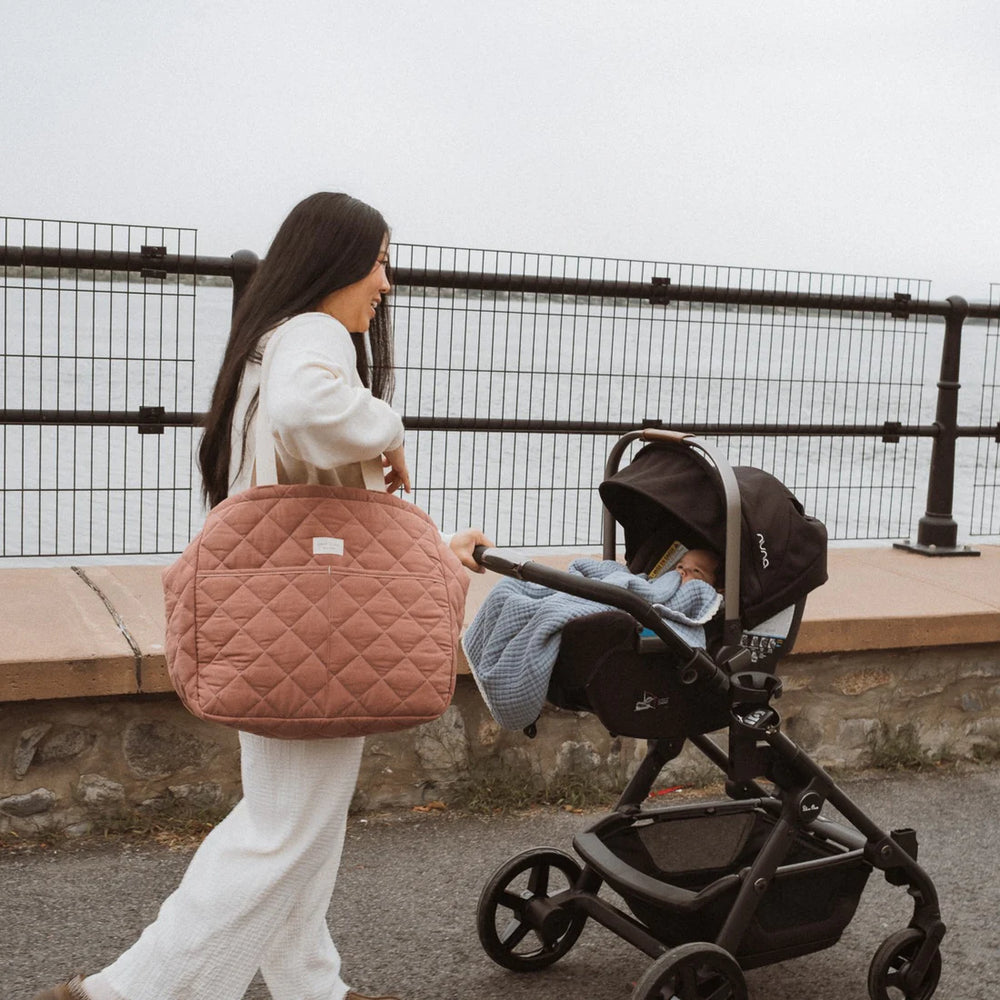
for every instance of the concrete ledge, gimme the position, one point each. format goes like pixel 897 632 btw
pixel 58 639
pixel 98 630
pixel 136 593
pixel 896 647
pixel 885 598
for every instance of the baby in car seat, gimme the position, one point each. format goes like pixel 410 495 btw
pixel 699 564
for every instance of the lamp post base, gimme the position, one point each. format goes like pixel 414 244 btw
pixel 936 550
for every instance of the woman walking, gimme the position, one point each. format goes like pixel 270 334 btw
pixel 256 893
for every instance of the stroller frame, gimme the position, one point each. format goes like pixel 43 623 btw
pixel 795 846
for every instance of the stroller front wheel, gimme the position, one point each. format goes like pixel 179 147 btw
pixel 695 971
pixel 886 974
pixel 522 924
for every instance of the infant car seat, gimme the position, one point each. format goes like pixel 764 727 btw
pixel 671 494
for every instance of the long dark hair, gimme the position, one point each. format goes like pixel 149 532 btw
pixel 328 241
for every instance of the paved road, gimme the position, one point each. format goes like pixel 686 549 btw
pixel 404 911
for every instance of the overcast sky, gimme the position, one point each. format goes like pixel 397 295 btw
pixel 861 137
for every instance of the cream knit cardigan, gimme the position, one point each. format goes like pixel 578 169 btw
pixel 328 428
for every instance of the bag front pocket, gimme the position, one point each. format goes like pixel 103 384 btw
pixel 263 641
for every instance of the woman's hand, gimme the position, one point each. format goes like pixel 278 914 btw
pixel 463 542
pixel 397 475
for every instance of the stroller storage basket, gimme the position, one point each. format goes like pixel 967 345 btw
pixel 679 871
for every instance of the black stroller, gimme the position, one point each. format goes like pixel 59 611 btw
pixel 717 887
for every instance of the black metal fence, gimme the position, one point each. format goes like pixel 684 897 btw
pixel 985 492
pixel 516 373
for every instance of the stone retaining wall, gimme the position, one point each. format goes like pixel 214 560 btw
pixel 64 763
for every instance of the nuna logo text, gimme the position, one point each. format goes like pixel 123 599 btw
pixel 763 551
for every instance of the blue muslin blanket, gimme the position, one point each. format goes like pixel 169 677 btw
pixel 513 641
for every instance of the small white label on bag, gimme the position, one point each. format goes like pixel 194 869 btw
pixel 328 546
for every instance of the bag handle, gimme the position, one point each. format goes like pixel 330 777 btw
pixel 265 462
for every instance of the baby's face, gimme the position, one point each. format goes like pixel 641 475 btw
pixel 696 565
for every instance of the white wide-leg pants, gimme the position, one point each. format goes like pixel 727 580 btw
pixel 256 893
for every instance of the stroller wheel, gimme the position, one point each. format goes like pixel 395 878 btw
pixel 695 971
pixel 890 965
pixel 521 924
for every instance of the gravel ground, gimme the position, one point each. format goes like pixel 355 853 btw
pixel 404 913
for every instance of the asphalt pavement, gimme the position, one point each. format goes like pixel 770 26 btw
pixel 404 912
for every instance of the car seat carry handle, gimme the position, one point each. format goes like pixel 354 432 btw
pixel 732 628
pixel 697 663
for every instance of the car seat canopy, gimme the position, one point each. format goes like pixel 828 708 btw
pixel 671 493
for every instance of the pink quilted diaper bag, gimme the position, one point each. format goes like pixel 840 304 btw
pixel 307 612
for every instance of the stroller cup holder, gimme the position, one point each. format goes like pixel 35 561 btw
pixel 753 687
pixel 751 695
pixel 752 720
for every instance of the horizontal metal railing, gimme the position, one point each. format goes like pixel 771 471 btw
pixel 936 531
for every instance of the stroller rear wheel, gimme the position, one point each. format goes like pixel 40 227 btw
pixel 695 971
pixel 519 925
pixel 890 965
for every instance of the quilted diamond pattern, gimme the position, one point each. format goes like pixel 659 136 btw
pixel 266 636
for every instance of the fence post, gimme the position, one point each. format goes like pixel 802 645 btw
pixel 245 264
pixel 937 530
